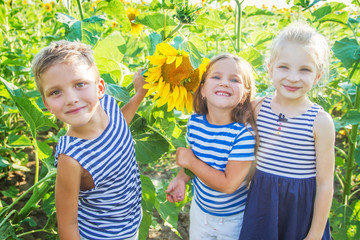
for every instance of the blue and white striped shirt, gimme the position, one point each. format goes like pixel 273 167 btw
pixel 286 148
pixel 112 209
pixel 215 145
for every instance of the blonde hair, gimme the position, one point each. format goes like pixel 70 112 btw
pixel 61 52
pixel 313 42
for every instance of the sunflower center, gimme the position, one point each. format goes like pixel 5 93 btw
pixel 176 76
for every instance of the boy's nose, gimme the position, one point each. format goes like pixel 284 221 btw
pixel 71 98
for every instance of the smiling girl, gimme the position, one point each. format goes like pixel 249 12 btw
pixel 221 153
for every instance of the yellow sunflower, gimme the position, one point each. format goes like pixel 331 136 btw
pixel 47 6
pixel 173 78
pixel 131 13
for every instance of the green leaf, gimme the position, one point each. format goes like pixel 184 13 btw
pixel 12 192
pixel 149 147
pixel 327 9
pixel 19 140
pixel 88 31
pixel 7 231
pixel 195 46
pixel 148 193
pixel 119 93
pixel 339 161
pixel 336 17
pixel 155 39
pixel 117 10
pixel 44 150
pixel 155 21
pixel 351 117
pixel 30 112
pixel 347 50
pixel 211 19
pixel 108 56
pixel 167 210
pixel 254 11
pixel 260 37
pixel 3 162
pixel 145 225
pixel 254 57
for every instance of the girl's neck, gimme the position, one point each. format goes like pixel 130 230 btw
pixel 219 118
pixel 93 129
pixel 290 107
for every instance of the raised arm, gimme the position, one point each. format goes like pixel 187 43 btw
pixel 67 187
pixel 227 182
pixel 129 109
pixel 324 134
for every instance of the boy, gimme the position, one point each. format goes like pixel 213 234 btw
pixel 97 189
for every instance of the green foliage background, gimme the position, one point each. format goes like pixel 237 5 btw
pixel 204 31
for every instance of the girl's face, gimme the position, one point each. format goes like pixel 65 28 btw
pixel 294 72
pixel 224 86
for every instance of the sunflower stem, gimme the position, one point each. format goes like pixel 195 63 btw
pixel 176 29
pixel 80 10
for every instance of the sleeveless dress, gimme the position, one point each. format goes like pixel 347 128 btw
pixel 112 209
pixel 281 196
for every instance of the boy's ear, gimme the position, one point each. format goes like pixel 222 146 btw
pixel 100 88
pixel 270 70
pixel 45 104
pixel 317 78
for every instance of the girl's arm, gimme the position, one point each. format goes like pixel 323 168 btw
pixel 67 187
pixel 129 109
pixel 227 182
pixel 324 134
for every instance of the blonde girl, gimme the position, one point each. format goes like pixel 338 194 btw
pixel 291 193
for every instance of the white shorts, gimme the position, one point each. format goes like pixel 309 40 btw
pixel 204 226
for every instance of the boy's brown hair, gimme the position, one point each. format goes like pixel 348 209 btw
pixel 61 52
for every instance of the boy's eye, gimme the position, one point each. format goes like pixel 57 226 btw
pixel 306 70
pixel 54 93
pixel 234 80
pixel 215 77
pixel 283 67
pixel 80 85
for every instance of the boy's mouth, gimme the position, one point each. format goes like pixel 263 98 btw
pixel 291 88
pixel 75 110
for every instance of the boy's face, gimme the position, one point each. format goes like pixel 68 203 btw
pixel 72 92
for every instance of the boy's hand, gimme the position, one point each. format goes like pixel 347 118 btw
pixel 139 82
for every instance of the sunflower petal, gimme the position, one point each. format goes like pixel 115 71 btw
pixel 166 90
pixel 178 61
pixel 189 102
pixel 166 49
pixel 175 92
pixel 170 59
pixel 171 103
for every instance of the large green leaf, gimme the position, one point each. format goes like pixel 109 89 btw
pixel 211 19
pixel 327 9
pixel 348 51
pixel 195 46
pixel 115 9
pixel 155 21
pixel 30 111
pixel 108 54
pixel 88 31
pixel 254 57
pixel 149 147
pixel 19 140
pixel 336 17
pixel 148 195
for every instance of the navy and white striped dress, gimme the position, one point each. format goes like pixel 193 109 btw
pixel 112 209
pixel 215 145
pixel 281 195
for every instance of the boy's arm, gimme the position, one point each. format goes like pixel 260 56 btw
pixel 177 187
pixel 129 109
pixel 227 182
pixel 324 134
pixel 66 197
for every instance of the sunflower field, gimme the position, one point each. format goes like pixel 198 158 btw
pixel 172 40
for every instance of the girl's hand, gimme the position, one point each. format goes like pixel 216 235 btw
pixel 184 157
pixel 176 190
